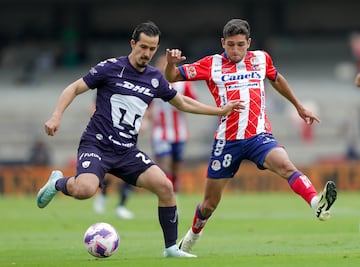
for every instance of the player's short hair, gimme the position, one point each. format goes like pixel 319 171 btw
pixel 149 28
pixel 235 27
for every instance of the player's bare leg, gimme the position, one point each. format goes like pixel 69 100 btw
pixel 82 187
pixel 278 161
pixel 213 192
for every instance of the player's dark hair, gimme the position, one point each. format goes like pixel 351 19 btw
pixel 236 26
pixel 149 28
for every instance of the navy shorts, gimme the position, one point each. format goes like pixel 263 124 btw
pixel 226 156
pixel 127 165
pixel 163 148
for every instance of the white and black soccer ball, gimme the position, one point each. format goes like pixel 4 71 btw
pixel 101 240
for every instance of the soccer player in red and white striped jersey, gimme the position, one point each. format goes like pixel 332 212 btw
pixel 240 74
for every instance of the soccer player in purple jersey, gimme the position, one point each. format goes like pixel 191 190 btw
pixel 125 88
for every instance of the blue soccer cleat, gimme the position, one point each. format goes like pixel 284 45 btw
pixel 48 191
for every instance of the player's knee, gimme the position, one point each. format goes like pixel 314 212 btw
pixel 165 191
pixel 82 191
pixel 166 187
pixel 285 168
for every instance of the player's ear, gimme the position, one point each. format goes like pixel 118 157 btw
pixel 132 43
pixel 223 42
pixel 249 42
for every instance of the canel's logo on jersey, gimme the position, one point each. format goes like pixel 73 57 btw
pixel 235 77
pixel 136 88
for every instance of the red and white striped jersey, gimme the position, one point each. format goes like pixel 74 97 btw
pixel 168 123
pixel 232 81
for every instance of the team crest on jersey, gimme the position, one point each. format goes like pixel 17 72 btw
pixel 216 165
pixel 254 61
pixel 191 71
pixel 155 82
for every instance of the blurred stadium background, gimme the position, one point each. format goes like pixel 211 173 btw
pixel 46 44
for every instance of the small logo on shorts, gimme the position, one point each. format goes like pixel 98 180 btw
pixel 216 165
pixel 267 140
pixel 86 164
pixel 99 136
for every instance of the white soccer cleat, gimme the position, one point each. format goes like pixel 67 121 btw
pixel 175 252
pixel 124 213
pixel 327 199
pixel 189 240
pixel 48 191
pixel 99 204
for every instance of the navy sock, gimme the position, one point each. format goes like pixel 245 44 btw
pixel 60 185
pixel 168 219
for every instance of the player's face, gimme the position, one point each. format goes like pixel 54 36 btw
pixel 143 51
pixel 235 47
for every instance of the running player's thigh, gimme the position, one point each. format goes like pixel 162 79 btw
pixel 154 180
pixel 277 160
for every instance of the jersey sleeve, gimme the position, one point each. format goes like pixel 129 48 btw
pixel 199 70
pixel 96 75
pixel 166 92
pixel 271 71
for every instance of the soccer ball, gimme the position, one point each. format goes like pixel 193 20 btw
pixel 101 240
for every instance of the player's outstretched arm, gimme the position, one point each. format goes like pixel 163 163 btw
pixel 190 105
pixel 65 99
pixel 281 85
pixel 357 79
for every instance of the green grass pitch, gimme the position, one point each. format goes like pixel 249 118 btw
pixel 247 229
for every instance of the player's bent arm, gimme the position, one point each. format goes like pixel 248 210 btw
pixel 68 94
pixel 282 86
pixel 171 72
pixel 190 105
pixel 65 99
pixel 357 79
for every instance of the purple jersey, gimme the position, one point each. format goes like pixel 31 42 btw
pixel 123 95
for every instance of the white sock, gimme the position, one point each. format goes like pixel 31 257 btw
pixel 314 201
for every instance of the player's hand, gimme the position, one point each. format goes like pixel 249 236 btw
pixel 307 115
pixel 52 125
pixel 233 106
pixel 174 56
